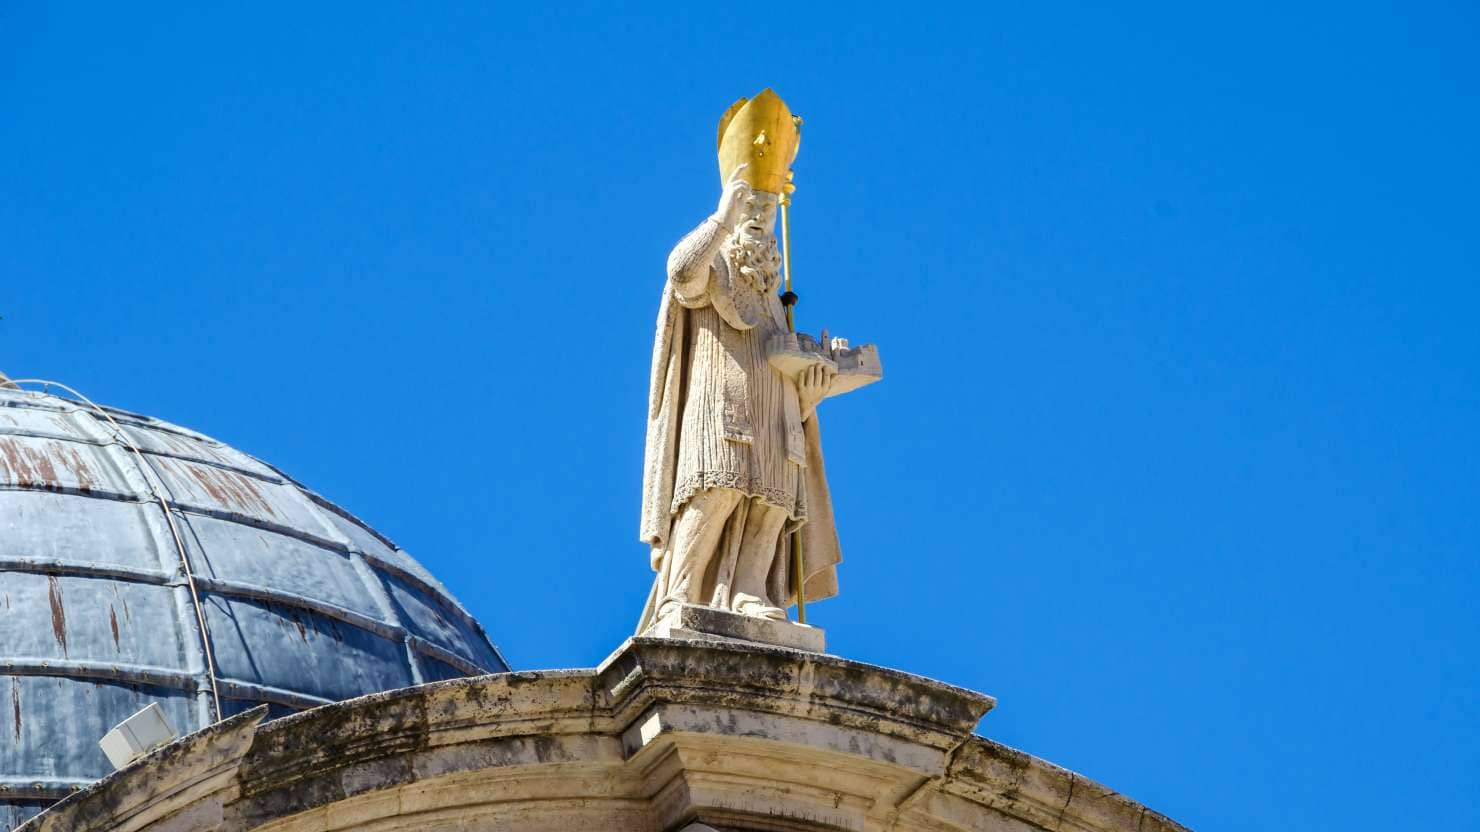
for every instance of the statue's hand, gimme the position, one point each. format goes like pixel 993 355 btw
pixel 812 385
pixel 732 199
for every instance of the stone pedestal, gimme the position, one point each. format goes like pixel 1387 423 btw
pixel 707 623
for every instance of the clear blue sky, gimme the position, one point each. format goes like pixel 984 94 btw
pixel 1177 451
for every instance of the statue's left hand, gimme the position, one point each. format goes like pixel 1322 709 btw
pixel 812 385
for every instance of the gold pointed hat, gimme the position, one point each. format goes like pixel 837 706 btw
pixel 762 133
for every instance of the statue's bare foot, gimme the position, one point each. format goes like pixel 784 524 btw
pixel 756 608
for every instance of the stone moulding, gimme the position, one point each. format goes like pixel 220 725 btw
pixel 664 734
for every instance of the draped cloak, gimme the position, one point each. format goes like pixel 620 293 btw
pixel 724 405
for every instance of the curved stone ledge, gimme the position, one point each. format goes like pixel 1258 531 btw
pixel 663 734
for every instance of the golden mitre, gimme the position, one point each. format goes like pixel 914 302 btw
pixel 762 133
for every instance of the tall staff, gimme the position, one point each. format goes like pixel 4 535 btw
pixel 789 300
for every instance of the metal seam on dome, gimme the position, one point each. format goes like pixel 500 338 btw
pixel 73 491
pixel 246 472
pixel 253 592
pixel 256 523
pixel 41 788
pixel 324 503
pixel 496 651
pixel 445 656
pixel 375 585
pixel 148 471
pixel 108 671
pixel 82 569
pixel 392 629
pixel 388 630
pixel 434 593
pixel 438 594
pixel 40 792
pixel 253 692
pixel 137 420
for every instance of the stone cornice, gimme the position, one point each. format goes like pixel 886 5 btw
pixel 664 733
pixel 777 680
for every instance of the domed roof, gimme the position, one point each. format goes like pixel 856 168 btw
pixel 120 534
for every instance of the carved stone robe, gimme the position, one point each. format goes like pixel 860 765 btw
pixel 719 416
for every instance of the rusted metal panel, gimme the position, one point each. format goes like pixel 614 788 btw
pixel 381 550
pixel 16 811
pixel 427 617
pixel 438 671
pixel 50 423
pixel 292 648
pixel 276 561
pixel 52 530
pixel 304 604
pixel 157 440
pixel 224 492
pixel 65 618
pixel 40 464
pixel 50 725
pixel 447 622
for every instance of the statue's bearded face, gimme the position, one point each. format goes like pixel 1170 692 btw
pixel 759 219
pixel 753 247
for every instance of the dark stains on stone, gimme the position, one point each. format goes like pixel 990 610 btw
pixel 1068 798
pixel 390 740
pixel 113 625
pixel 15 704
pixel 548 749
pixel 302 764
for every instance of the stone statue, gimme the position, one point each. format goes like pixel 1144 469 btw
pixel 733 464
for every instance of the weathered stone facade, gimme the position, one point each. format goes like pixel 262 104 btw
pixel 666 733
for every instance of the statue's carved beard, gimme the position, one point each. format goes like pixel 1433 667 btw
pixel 756 259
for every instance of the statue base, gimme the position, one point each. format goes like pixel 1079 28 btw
pixel 694 622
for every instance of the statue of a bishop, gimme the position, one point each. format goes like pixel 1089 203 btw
pixel 733 464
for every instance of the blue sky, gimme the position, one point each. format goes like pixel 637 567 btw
pixel 1177 450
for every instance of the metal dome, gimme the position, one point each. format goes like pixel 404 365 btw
pixel 121 534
